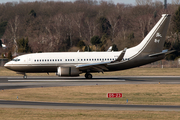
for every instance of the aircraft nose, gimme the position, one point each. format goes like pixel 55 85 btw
pixel 7 65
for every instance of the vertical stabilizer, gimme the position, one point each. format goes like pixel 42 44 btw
pixel 154 41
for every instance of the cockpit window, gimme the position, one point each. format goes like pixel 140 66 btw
pixel 16 60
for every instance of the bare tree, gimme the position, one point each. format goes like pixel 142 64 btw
pixel 143 2
pixel 78 19
pixel 114 20
pixel 176 2
pixel 12 31
pixel 92 26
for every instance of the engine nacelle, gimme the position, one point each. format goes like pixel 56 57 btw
pixel 67 71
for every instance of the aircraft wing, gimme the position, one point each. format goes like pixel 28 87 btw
pixel 101 66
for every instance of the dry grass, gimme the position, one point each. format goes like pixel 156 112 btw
pixel 130 72
pixel 47 114
pixel 152 94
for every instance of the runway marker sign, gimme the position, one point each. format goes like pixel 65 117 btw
pixel 114 95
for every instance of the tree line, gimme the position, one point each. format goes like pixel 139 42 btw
pixel 84 25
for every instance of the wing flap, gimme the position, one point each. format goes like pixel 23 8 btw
pixel 98 69
pixel 96 66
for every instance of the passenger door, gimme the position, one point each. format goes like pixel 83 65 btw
pixel 29 60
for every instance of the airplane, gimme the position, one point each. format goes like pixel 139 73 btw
pixel 71 64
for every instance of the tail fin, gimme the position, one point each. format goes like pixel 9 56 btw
pixel 154 41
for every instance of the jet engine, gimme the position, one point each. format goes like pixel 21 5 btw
pixel 67 71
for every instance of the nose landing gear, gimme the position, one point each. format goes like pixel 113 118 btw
pixel 25 76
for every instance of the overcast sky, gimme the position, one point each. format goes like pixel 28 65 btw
pixel 115 1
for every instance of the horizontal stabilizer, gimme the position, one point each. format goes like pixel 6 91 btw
pixel 164 52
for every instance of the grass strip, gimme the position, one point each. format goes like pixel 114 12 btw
pixel 55 114
pixel 149 94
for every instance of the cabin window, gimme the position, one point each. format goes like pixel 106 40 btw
pixel 89 59
pixel 60 59
pixel 73 59
pixel 34 60
pixel 65 59
pixel 43 60
pixel 94 59
pixel 84 59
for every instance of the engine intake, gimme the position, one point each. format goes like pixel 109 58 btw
pixel 67 71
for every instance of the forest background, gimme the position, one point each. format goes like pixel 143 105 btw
pixel 85 25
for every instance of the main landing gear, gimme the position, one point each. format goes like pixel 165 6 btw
pixel 88 76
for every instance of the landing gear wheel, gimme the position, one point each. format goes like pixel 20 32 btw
pixel 25 76
pixel 88 76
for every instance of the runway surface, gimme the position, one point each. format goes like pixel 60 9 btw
pixel 49 105
pixel 32 82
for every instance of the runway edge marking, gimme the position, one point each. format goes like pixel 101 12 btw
pixel 66 80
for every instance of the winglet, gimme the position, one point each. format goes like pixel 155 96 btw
pixel 120 56
pixel 109 49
